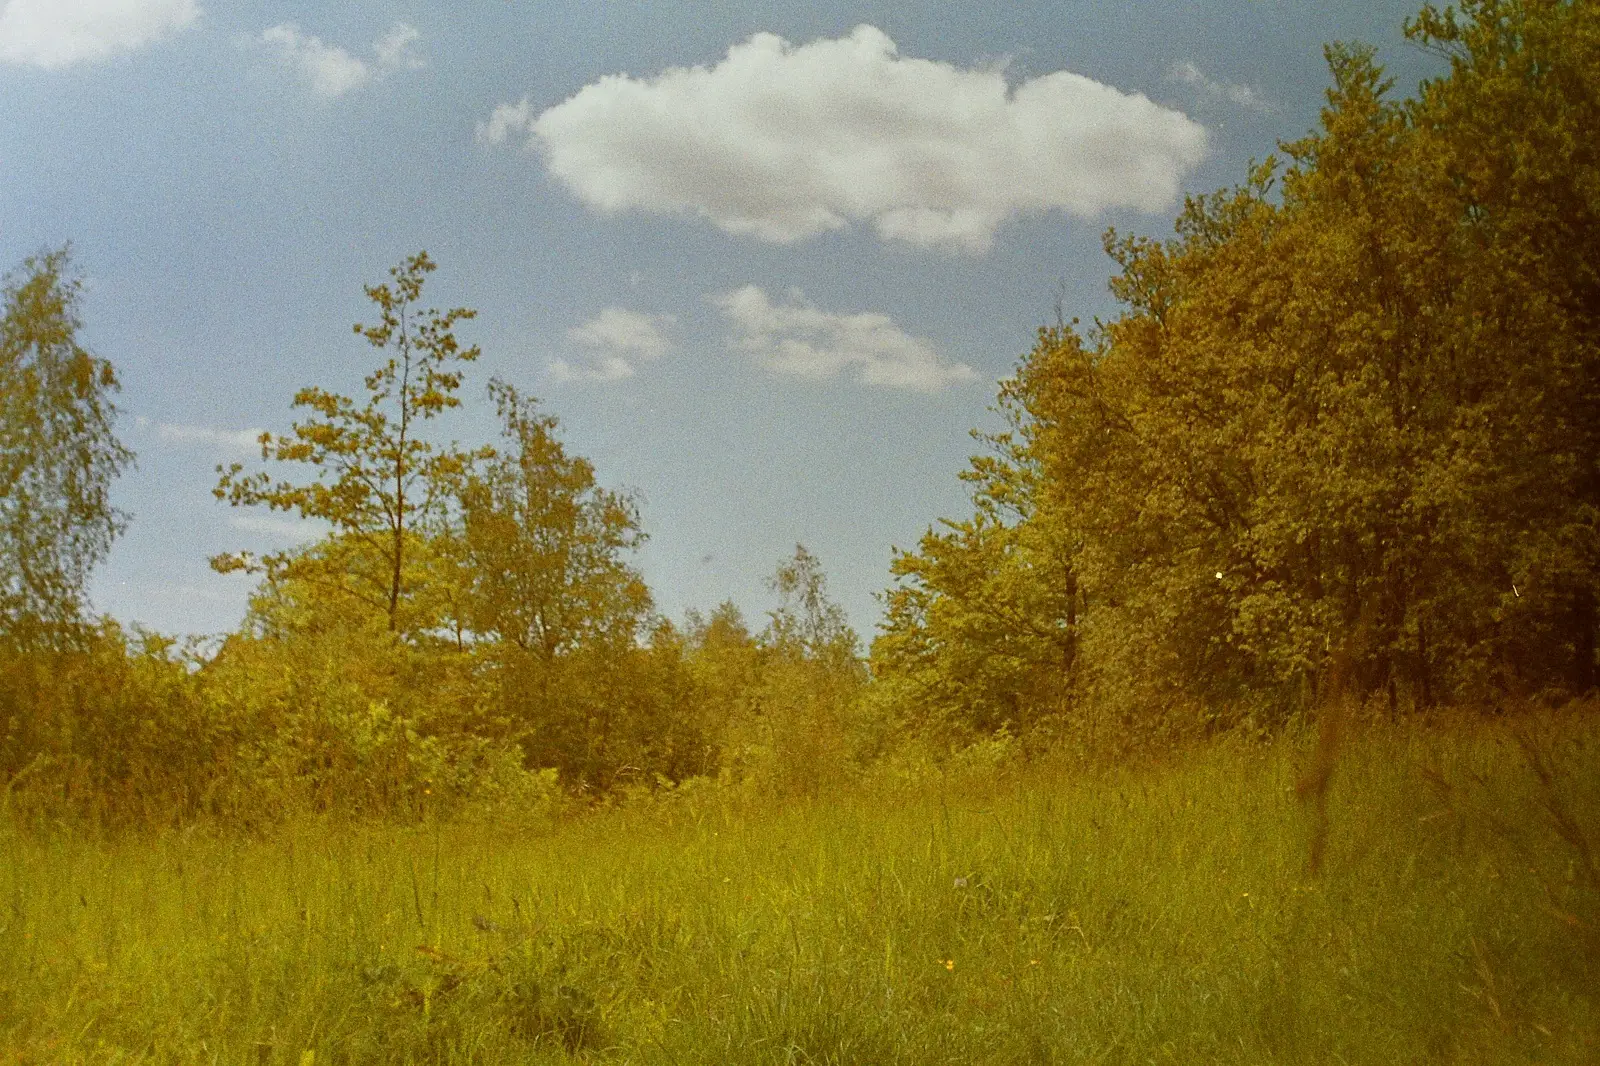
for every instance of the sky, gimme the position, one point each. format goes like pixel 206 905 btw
pixel 765 261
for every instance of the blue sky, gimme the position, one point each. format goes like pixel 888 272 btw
pixel 765 261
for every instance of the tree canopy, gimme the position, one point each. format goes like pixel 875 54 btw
pixel 58 456
pixel 1350 410
pixel 543 543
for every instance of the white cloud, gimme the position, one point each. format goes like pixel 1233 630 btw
pixel 327 68
pixel 506 120
pixel 58 33
pixel 1242 96
pixel 396 49
pixel 286 528
pixel 614 339
pixel 331 70
pixel 798 338
pixel 782 142
pixel 594 368
pixel 626 332
pixel 228 440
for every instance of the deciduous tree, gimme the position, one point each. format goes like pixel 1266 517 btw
pixel 379 482
pixel 58 456
pixel 545 545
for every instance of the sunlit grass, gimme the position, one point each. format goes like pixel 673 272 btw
pixel 1158 914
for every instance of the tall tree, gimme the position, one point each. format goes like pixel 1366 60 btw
pixel 379 482
pixel 811 674
pixel 58 456
pixel 982 621
pixel 1514 156
pixel 544 544
pixel 547 585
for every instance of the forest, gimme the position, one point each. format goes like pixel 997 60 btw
pixel 1324 490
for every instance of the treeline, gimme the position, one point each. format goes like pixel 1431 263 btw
pixel 311 709
pixel 469 633
pixel 1344 433
pixel 1342 440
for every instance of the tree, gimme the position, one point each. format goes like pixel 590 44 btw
pixel 982 621
pixel 799 733
pixel 805 622
pixel 724 663
pixel 544 543
pixel 379 483
pixel 1514 157
pixel 545 582
pixel 58 456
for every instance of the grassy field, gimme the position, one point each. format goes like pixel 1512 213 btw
pixel 1153 914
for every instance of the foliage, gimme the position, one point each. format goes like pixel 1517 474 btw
pixel 981 628
pixel 722 664
pixel 1351 411
pixel 542 544
pixel 1339 447
pixel 58 456
pixel 379 481
pixel 795 737
pixel 109 730
pixel 806 624
pixel 546 589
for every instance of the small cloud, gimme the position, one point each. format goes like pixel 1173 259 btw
pixel 798 338
pixel 782 142
pixel 327 68
pixel 1242 96
pixel 332 71
pixel 59 33
pixel 614 339
pixel 293 529
pixel 228 440
pixel 396 49
pixel 629 332
pixel 506 120
pixel 596 368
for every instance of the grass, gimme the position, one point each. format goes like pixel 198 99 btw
pixel 1153 914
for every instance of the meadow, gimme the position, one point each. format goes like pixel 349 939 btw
pixel 982 912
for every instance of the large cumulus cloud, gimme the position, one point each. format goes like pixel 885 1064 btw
pixel 782 142
pixel 60 33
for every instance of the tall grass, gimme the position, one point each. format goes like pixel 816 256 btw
pixel 1154 914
